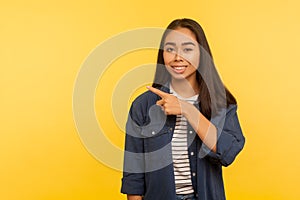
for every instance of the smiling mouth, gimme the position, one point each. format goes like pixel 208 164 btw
pixel 179 69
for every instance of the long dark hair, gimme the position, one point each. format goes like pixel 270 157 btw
pixel 206 74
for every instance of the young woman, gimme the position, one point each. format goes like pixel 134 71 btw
pixel 182 131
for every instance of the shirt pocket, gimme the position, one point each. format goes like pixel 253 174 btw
pixel 156 139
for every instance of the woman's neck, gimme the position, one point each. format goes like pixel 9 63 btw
pixel 185 88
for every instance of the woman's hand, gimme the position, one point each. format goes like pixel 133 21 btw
pixel 174 106
pixel 134 197
pixel 170 104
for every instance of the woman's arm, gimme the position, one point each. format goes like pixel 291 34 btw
pixel 204 128
pixel 134 165
pixel 173 106
pixel 222 144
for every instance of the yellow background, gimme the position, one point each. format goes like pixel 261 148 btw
pixel 43 44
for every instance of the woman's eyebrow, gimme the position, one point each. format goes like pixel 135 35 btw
pixel 183 44
pixel 170 43
pixel 188 43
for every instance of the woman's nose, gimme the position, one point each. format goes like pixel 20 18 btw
pixel 178 57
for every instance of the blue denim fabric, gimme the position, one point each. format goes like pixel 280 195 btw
pixel 151 174
pixel 186 197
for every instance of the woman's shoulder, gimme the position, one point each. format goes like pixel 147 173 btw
pixel 144 99
pixel 140 107
pixel 232 109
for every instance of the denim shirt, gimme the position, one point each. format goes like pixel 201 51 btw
pixel 148 165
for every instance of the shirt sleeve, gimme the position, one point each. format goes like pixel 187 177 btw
pixel 230 140
pixel 134 163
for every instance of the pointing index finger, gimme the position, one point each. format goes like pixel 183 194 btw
pixel 157 91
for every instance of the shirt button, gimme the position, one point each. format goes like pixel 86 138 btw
pixel 153 133
pixel 194 174
pixel 191 132
pixel 192 153
pixel 171 129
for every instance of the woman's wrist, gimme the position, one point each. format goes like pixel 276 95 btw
pixel 186 108
pixel 134 197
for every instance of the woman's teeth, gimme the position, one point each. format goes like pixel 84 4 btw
pixel 179 68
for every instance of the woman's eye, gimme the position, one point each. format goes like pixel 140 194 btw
pixel 187 49
pixel 170 49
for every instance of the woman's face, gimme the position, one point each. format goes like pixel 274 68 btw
pixel 181 54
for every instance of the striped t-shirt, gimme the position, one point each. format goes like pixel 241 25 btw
pixel 181 163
